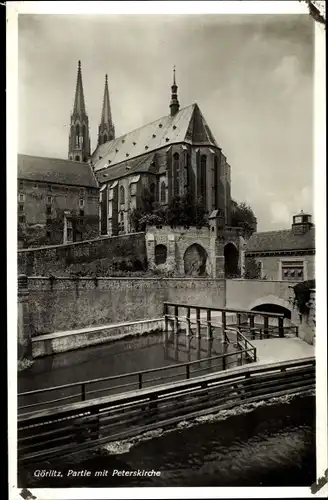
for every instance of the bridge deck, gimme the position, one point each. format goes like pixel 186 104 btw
pixel 274 350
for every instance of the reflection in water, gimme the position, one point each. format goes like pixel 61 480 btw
pixel 123 356
pixel 273 445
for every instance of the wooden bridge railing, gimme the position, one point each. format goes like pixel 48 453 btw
pixel 79 427
pixel 209 323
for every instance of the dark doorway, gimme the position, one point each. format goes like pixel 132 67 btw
pixel 231 258
pixel 160 254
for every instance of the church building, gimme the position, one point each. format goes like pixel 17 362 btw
pixel 167 157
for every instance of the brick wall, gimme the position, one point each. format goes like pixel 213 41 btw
pixel 62 260
pixel 65 303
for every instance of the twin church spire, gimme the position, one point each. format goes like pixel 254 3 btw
pixel 79 139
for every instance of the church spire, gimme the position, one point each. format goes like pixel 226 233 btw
pixel 79 140
pixel 106 131
pixel 174 105
pixel 79 104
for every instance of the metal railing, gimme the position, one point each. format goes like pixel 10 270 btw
pixel 79 427
pixel 132 380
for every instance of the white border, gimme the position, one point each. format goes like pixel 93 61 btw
pixel 221 7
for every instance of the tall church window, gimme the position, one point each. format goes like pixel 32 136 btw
pixel 188 167
pixel 84 135
pixel 153 192
pixel 163 192
pixel 203 178
pixel 77 135
pixel 176 173
pixel 122 195
pixel 215 182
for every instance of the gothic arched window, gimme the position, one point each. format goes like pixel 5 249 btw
pixel 77 135
pixel 122 195
pixel 153 192
pixel 215 182
pixel 176 173
pixel 84 134
pixel 203 178
pixel 163 192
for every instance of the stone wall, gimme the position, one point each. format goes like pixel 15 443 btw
pixel 65 303
pixel 271 265
pixel 246 294
pixel 91 257
pixel 306 323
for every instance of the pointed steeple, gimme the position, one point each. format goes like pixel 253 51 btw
pixel 174 105
pixel 106 130
pixel 79 104
pixel 79 139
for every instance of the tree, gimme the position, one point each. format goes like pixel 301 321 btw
pixel 243 216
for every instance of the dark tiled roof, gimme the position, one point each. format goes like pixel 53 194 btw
pixel 136 165
pixel 54 170
pixel 273 241
pixel 188 126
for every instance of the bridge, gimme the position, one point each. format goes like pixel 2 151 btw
pixel 79 418
pixel 260 295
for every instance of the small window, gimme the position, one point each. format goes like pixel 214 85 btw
pixel 20 184
pixel 21 197
pixel 81 212
pixel 48 210
pixel 49 199
pixel 21 208
pixel 81 202
pixel 49 187
pixel 21 218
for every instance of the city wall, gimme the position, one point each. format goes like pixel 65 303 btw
pixel 64 303
pixel 90 257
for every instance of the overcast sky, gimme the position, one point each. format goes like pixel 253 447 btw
pixel 252 77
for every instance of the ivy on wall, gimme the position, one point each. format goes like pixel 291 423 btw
pixel 302 295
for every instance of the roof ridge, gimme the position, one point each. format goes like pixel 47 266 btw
pixel 149 123
pixel 53 158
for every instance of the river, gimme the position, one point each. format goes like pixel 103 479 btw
pixel 272 445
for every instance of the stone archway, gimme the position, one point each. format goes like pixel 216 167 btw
pixel 231 260
pixel 194 260
pixel 274 308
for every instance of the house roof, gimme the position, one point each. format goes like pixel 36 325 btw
pixel 55 170
pixel 275 241
pixel 188 126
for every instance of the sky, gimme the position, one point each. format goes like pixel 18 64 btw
pixel 251 75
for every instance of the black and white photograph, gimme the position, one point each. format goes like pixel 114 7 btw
pixel 167 243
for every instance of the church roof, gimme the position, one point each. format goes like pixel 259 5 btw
pixel 54 170
pixel 188 125
pixel 275 241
